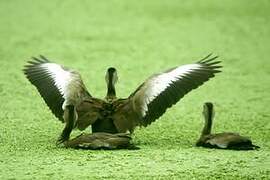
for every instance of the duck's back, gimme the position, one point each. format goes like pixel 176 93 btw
pixel 88 112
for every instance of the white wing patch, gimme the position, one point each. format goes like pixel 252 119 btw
pixel 161 82
pixel 67 82
pixel 60 76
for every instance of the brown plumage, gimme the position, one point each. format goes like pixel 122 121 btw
pixel 101 140
pixel 225 140
pixel 66 95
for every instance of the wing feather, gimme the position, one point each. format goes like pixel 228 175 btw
pixel 161 91
pixel 57 85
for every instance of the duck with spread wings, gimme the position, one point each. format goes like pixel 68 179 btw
pixel 66 95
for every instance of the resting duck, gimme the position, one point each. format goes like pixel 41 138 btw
pixel 101 140
pixel 66 95
pixel 225 140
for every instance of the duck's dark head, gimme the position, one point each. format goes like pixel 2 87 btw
pixel 208 110
pixel 111 79
pixel 208 113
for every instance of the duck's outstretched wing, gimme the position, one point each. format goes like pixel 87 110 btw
pixel 58 86
pixel 64 92
pixel 161 91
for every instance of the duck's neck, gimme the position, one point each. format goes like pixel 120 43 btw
pixel 111 94
pixel 208 116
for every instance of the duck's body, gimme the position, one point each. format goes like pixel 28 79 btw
pixel 101 140
pixel 66 95
pixel 226 140
pixel 104 114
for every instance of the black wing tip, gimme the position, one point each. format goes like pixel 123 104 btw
pixel 44 58
pixel 206 57
pixel 41 58
pixel 38 60
pixel 209 60
pixel 35 62
pixel 255 147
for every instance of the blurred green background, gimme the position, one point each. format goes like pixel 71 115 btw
pixel 139 38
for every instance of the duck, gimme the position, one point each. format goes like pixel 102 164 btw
pixel 226 140
pixel 101 140
pixel 66 95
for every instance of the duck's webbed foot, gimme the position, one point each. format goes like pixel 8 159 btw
pixel 101 140
pixel 64 136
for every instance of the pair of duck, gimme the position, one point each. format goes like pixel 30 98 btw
pixel 111 118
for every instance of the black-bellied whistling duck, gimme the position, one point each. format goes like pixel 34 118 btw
pixel 66 95
pixel 101 140
pixel 225 140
